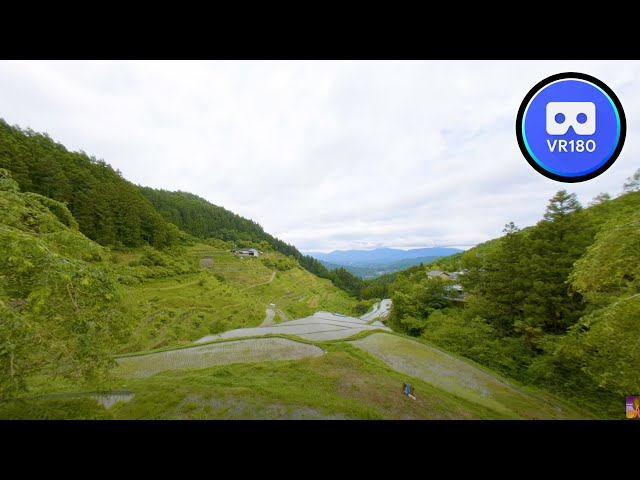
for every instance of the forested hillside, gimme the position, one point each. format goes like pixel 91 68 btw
pixel 556 304
pixel 109 209
pixel 202 219
pixel 114 212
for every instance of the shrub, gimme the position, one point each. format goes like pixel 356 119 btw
pixel 217 326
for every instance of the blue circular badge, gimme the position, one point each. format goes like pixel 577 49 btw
pixel 571 127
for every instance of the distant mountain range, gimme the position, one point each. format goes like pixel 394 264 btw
pixel 372 263
pixel 364 258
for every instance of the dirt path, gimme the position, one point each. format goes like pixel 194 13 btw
pixel 268 319
pixel 273 276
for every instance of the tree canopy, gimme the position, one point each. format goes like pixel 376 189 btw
pixel 61 310
pixel 109 209
pixel 633 183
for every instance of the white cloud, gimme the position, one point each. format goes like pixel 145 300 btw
pixel 324 155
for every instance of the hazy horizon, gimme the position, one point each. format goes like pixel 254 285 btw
pixel 326 155
pixel 460 247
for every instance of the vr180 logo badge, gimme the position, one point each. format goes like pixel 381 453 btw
pixel 571 127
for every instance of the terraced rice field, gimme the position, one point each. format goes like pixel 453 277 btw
pixel 319 326
pixel 238 351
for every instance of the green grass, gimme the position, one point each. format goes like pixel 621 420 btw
pixel 230 293
pixel 54 409
pixel 126 257
pixel 179 310
pixel 344 383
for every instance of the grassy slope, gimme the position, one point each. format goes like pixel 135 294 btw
pixel 339 384
pixel 345 382
pixel 461 377
pixel 230 293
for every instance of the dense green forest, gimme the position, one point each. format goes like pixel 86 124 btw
pixel 556 304
pixel 202 219
pixel 109 209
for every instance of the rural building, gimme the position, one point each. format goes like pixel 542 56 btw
pixel 456 292
pixel 249 252
pixel 438 274
pixel 444 275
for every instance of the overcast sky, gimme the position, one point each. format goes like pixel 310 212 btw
pixel 324 155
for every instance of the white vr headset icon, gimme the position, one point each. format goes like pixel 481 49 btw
pixel 579 115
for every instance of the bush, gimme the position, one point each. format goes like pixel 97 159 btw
pixel 281 264
pixel 152 258
pixel 363 306
pixel 217 326
pixel 217 243
pixel 159 264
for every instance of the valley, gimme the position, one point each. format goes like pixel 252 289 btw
pixel 369 264
pixel 125 302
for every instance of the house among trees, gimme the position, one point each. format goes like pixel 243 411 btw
pixel 455 275
pixel 455 291
pixel 247 252
pixel 439 274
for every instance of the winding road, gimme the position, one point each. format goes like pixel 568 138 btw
pixel 379 310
